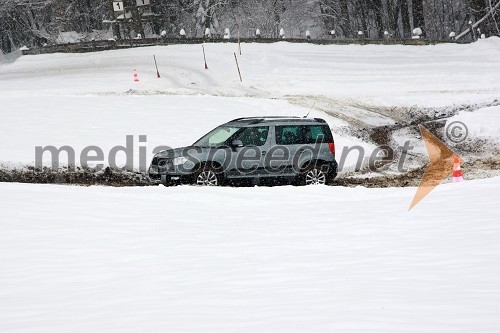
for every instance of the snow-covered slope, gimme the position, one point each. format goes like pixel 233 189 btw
pixel 283 259
pixel 406 74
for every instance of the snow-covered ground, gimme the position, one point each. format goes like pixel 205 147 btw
pixel 282 259
pixel 481 124
pixel 411 75
pixel 91 99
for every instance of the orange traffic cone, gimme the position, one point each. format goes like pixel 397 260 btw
pixel 136 77
pixel 457 172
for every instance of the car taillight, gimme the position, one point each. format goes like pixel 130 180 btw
pixel 332 147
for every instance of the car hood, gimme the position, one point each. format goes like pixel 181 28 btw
pixel 182 151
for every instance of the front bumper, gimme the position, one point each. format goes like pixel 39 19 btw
pixel 169 175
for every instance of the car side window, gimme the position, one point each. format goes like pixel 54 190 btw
pixel 253 136
pixel 317 133
pixel 288 135
pixel 302 134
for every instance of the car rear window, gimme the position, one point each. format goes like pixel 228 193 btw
pixel 319 133
pixel 303 134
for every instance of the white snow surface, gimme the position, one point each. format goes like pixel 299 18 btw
pixel 387 73
pixel 282 259
pixel 91 99
pixel 483 123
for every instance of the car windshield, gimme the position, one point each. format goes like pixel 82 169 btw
pixel 217 137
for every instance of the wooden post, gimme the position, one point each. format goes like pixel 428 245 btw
pixel 238 66
pixel 157 71
pixel 204 57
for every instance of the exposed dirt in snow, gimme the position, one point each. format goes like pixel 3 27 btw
pixel 107 177
pixel 473 169
pixel 481 155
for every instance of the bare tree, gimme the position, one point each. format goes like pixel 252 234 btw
pixel 417 9
pixel 35 22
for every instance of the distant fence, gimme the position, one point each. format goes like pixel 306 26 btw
pixel 104 45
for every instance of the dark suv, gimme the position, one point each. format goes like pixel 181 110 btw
pixel 256 149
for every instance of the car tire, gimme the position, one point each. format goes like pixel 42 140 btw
pixel 315 174
pixel 208 175
pixel 165 180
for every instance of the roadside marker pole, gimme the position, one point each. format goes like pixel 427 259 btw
pixel 157 71
pixel 204 56
pixel 237 65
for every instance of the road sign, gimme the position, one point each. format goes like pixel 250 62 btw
pixel 143 2
pixel 118 6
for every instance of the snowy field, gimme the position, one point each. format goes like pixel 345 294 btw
pixel 283 259
pixel 280 259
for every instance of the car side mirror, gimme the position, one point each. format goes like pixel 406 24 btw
pixel 236 144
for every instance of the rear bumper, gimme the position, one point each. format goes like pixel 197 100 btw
pixel 333 169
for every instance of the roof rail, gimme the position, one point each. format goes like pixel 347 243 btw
pixel 265 117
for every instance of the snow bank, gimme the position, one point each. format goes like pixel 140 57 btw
pixel 483 123
pixel 283 259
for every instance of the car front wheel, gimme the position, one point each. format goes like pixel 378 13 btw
pixel 207 176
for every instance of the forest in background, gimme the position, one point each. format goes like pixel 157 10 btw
pixel 37 22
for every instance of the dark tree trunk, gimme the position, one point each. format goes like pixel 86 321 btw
pixel 327 16
pixel 418 14
pixel 277 10
pixel 111 15
pixel 377 11
pixel 5 45
pixel 136 16
pixel 405 18
pixel 479 8
pixel 345 20
pixel 393 14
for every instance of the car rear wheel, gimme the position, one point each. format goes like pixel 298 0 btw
pixel 315 175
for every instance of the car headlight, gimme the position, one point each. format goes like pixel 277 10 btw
pixel 179 160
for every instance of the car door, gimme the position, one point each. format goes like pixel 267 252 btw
pixel 247 160
pixel 288 145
